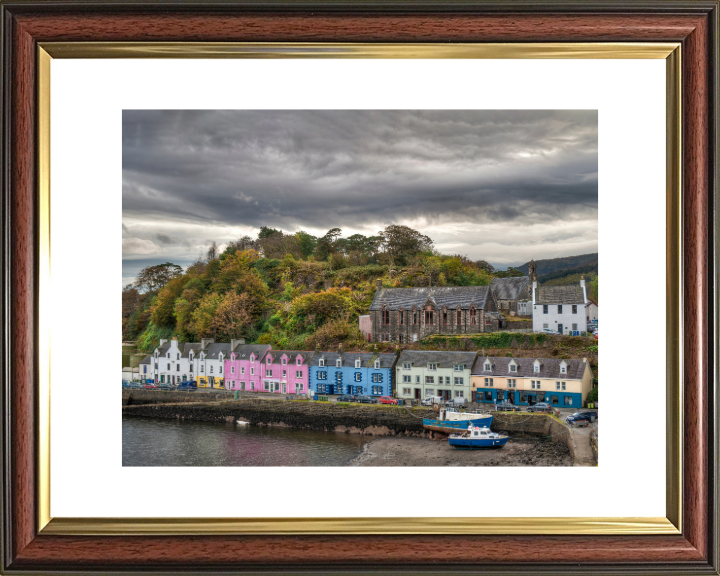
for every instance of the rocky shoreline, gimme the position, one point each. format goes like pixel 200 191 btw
pixel 402 451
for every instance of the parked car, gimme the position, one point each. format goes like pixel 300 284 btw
pixel 135 386
pixel 165 386
pixel 585 416
pixel 347 399
pixel 367 400
pixel 595 335
pixel 540 407
pixel 506 406
pixel 149 386
pixel 430 400
pixel 187 385
pixel 549 331
pixel 457 401
pixel 387 400
pixel 126 384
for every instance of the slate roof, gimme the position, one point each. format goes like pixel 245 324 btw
pixel 441 358
pixel 508 288
pixel 367 359
pixel 243 351
pixel 187 347
pixel 559 295
pixel 549 368
pixel 146 360
pixel 450 296
pixel 164 348
pixel 291 354
pixel 212 351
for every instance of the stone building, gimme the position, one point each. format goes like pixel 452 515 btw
pixel 405 315
pixel 513 294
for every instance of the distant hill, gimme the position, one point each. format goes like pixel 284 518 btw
pixel 569 265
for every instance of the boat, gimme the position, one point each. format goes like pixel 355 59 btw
pixel 451 421
pixel 242 422
pixel 477 438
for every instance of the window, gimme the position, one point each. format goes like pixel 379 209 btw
pixel 357 363
pixel 284 361
pixel 401 317
pixel 145 369
pixel 377 364
pixel 563 369
pixel 488 396
pixel 574 326
pixel 377 390
pixel 220 369
pixel 459 381
pixel 537 385
pixel 377 377
pixel 557 385
pixel 358 377
pixel 546 325
pixel 268 373
pixel 415 318
pixel 322 375
pixel 406 391
pixel 429 379
pixel 417 379
pixel 563 385
pixel 445 317
pixel 567 400
pixel 401 338
pixel 473 316
pixel 432 366
pixel 338 363
pixel 178 367
pixel 266 386
pixel 322 362
pixel 284 373
pixel 386 316
pixel 406 379
pixel 536 368
pixel 458 394
pixel 554 400
pixel 191 367
pixel 574 309
pixel 559 308
pixel 178 356
pixel 513 368
pixel 298 361
pixel 269 360
pixel 168 354
pixel 252 371
pixel 545 308
pixel 459 367
pixel 488 381
pixel 429 317
pixel 512 383
pixel 202 367
pixel 406 366
pixel 242 369
pixel 298 373
pixel 232 369
pixel 487 366
pixel 168 366
pixel 459 317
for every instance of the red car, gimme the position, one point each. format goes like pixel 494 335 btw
pixel 150 386
pixel 387 400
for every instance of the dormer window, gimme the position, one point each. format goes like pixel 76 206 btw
pixel 459 367
pixel 357 363
pixel 513 368
pixel 563 368
pixel 338 362
pixel 322 362
pixel 298 361
pixel 377 364
pixel 432 366
pixel 284 361
pixel 269 360
pixel 487 366
pixel 536 367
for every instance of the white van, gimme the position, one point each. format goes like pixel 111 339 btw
pixel 457 401
pixel 430 400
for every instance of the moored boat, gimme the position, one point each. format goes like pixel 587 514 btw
pixel 477 438
pixel 450 421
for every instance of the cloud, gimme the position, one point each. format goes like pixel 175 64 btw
pixel 133 246
pixel 230 172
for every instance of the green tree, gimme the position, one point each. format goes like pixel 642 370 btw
pixel 307 243
pixel 152 278
pixel 402 242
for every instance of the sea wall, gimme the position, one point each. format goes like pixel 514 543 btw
pixel 133 397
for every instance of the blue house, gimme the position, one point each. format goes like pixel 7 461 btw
pixel 365 373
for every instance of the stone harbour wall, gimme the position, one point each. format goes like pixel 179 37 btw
pixel 133 397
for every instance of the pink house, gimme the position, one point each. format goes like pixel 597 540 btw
pixel 286 371
pixel 243 367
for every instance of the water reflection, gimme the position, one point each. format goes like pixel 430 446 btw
pixel 157 442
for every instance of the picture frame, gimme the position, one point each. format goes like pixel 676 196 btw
pixel 686 540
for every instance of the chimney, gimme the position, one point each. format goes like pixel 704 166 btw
pixel 584 360
pixel 235 343
pixel 582 281
pixel 582 285
pixel 205 342
pixel 317 349
pixel 162 341
pixel 340 350
pixel 378 283
pixel 483 352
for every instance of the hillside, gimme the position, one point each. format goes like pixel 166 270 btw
pixel 551 265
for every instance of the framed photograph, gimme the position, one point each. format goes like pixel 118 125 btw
pixel 342 197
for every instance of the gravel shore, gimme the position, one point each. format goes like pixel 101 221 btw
pixel 394 451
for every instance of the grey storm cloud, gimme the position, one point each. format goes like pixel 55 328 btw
pixel 357 170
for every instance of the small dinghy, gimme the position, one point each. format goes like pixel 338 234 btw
pixel 477 438
pixel 242 422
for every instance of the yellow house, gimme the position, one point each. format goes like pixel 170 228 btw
pixel 527 381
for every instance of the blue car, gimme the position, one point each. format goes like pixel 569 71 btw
pixel 126 384
pixel 187 385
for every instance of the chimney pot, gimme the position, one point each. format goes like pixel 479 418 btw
pixel 378 283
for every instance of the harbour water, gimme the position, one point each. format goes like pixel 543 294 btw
pixel 157 442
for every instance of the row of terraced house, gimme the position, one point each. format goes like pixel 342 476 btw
pixel 410 374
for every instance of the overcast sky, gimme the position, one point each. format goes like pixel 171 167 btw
pixel 502 186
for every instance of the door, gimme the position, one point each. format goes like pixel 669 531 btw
pixel 418 394
pixel 560 328
pixel 532 399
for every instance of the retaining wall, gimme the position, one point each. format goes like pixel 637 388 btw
pixel 132 397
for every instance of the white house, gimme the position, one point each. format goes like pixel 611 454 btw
pixel 592 311
pixel 562 309
pixel 173 362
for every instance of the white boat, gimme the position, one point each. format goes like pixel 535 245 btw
pixel 476 438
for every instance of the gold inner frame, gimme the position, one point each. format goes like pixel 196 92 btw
pixel 206 526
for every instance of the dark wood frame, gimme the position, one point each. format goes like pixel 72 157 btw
pixel 693 23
